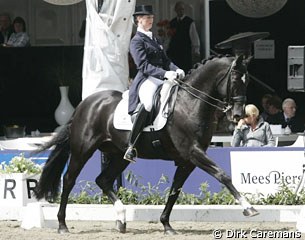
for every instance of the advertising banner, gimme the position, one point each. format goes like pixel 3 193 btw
pixel 263 172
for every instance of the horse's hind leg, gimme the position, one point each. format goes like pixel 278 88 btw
pixel 74 168
pixel 114 167
pixel 181 175
pixel 211 168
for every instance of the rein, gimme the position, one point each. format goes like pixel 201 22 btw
pixel 226 106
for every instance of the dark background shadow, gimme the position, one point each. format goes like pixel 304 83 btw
pixel 29 81
pixel 286 27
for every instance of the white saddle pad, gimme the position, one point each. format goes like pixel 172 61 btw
pixel 122 120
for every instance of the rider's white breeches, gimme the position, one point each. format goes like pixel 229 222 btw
pixel 147 91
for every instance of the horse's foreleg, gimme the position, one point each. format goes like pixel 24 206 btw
pixel 201 160
pixel 181 175
pixel 114 167
pixel 69 179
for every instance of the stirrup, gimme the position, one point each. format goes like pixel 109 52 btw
pixel 130 154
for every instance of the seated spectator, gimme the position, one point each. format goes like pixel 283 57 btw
pixel 274 106
pixel 19 37
pixel 288 117
pixel 264 103
pixel 252 131
pixel 6 28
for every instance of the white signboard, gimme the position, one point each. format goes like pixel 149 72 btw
pixel 263 172
pixel 16 189
pixel 264 49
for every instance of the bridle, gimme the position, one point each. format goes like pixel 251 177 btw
pixel 223 106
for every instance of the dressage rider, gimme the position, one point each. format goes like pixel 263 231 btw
pixel 153 67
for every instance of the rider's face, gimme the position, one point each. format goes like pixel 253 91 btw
pixel 146 21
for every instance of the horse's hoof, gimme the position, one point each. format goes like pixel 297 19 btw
pixel 63 230
pixel 170 232
pixel 121 227
pixel 250 212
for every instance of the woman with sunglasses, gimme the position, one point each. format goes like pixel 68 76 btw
pixel 252 131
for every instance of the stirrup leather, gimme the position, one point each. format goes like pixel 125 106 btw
pixel 130 154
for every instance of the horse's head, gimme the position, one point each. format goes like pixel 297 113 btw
pixel 232 88
pixel 219 82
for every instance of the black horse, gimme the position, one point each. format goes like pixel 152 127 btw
pixel 216 83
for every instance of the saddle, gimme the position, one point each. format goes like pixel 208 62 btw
pixel 164 100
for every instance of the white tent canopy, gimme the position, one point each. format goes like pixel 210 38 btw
pixel 108 33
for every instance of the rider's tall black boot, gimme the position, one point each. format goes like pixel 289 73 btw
pixel 136 130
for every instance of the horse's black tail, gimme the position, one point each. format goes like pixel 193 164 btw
pixel 48 185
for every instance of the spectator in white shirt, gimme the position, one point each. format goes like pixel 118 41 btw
pixel 184 43
pixel 19 37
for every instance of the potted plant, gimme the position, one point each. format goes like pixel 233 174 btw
pixel 18 178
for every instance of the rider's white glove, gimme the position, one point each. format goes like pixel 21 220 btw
pixel 170 75
pixel 180 73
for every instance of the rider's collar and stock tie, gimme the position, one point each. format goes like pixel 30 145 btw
pixel 226 106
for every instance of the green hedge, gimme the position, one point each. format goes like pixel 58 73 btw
pixel 152 195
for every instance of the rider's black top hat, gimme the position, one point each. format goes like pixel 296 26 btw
pixel 143 10
pixel 241 39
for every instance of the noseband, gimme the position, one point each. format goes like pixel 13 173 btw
pixel 223 106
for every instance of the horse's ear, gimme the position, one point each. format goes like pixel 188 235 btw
pixel 247 60
pixel 238 61
pixel 241 60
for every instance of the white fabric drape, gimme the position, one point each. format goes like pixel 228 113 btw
pixel 107 38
